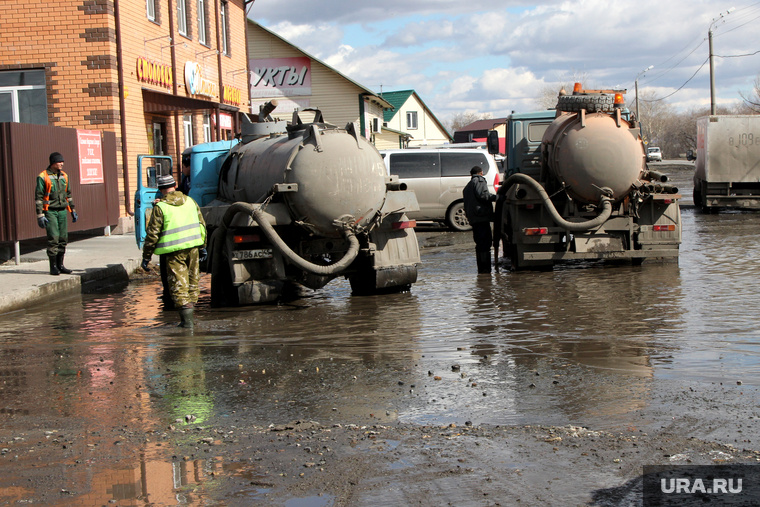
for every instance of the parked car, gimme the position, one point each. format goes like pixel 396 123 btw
pixel 437 176
pixel 654 154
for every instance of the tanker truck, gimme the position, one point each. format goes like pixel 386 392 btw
pixel 578 187
pixel 297 205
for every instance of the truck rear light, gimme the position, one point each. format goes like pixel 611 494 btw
pixel 496 181
pixel 667 201
pixel 664 228
pixel 409 224
pixel 246 238
pixel 535 231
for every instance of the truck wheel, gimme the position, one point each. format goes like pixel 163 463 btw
pixel 593 103
pixel 456 218
pixel 697 196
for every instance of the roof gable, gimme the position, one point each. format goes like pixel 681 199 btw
pixel 395 99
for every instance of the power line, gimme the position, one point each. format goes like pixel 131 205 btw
pixel 681 87
pixel 737 56
pixel 737 17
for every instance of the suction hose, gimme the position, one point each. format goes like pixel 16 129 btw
pixel 605 201
pixel 258 215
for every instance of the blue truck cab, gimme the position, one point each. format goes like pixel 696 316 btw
pixel 205 163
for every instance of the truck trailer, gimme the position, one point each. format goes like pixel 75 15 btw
pixel 727 169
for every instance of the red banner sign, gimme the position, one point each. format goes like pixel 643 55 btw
pixel 90 157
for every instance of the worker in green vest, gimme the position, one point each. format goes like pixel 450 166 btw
pixel 176 228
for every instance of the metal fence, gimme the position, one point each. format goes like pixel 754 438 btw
pixel 24 151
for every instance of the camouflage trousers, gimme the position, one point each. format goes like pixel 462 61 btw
pixel 183 274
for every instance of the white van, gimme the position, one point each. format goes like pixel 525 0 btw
pixel 438 176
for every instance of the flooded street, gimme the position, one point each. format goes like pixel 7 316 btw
pixel 104 400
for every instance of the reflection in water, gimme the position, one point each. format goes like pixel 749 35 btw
pixel 582 344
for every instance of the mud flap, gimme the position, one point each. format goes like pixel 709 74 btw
pixel 259 291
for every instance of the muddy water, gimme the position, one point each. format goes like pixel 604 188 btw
pixel 607 347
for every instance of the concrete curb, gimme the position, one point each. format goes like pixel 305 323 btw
pixel 91 280
pixel 97 263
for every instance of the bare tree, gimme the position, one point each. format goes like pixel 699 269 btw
pixel 460 120
pixel 751 103
pixel 654 114
pixel 680 132
pixel 547 98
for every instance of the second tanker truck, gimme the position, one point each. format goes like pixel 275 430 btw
pixel 578 187
pixel 295 205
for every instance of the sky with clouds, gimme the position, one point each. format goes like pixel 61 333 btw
pixel 495 56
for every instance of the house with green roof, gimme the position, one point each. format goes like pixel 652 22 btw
pixel 410 123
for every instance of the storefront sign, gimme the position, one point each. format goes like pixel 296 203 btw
pixel 90 157
pixel 232 95
pixel 280 77
pixel 196 84
pixel 225 121
pixel 154 73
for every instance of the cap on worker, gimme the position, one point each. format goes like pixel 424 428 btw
pixel 55 157
pixel 166 181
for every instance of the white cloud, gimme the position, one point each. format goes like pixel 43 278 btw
pixel 491 56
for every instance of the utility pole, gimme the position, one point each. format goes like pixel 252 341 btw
pixel 638 118
pixel 713 105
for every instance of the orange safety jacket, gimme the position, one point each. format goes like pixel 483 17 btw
pixel 48 186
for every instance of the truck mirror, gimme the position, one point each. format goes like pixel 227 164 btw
pixel 493 142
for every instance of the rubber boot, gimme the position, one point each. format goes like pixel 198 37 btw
pixel 61 268
pixel 54 266
pixel 484 262
pixel 186 317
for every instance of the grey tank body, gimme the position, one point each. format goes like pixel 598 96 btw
pixel 324 174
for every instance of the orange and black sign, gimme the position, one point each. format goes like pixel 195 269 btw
pixel 232 95
pixel 154 73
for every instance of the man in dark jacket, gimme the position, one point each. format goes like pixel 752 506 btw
pixel 479 211
pixel 53 203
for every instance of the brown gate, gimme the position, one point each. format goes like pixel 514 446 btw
pixel 24 151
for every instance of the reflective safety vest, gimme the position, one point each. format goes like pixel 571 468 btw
pixel 181 228
pixel 48 186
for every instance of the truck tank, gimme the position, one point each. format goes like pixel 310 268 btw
pixel 331 173
pixel 588 152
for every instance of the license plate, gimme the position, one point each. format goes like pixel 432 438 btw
pixel 246 255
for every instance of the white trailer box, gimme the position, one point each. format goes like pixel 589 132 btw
pixel 727 170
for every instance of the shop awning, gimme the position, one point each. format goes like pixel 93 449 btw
pixel 160 102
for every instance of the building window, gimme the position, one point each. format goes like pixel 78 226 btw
pixel 182 17
pixel 202 21
pixel 411 120
pixel 224 15
pixel 206 128
pixel 151 6
pixel 23 97
pixel 187 122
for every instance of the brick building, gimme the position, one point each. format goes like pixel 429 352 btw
pixel 161 74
